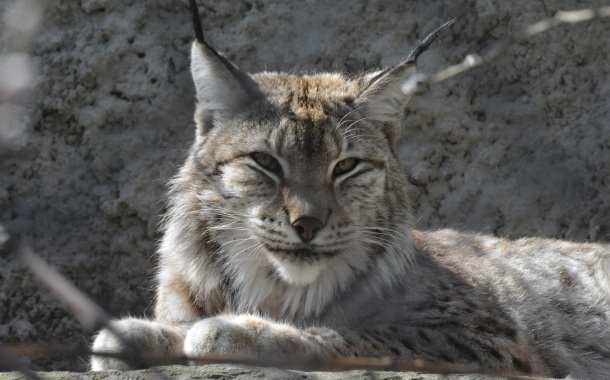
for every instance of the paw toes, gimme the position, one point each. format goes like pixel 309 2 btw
pixel 137 336
pixel 218 335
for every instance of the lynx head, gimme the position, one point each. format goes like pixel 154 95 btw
pixel 291 178
pixel 303 166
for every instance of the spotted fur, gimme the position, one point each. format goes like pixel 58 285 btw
pixel 277 157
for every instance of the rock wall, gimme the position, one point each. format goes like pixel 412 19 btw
pixel 517 147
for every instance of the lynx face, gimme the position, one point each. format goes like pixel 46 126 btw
pixel 303 183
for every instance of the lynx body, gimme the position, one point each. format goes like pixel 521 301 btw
pixel 289 233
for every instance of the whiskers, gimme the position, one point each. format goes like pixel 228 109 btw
pixel 219 210
pixel 229 230
pixel 340 123
pixel 351 131
pixel 251 250
pixel 235 237
pixel 389 239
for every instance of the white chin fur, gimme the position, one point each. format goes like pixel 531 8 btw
pixel 297 273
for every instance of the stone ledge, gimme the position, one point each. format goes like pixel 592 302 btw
pixel 236 372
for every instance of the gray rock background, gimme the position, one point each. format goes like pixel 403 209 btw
pixel 518 147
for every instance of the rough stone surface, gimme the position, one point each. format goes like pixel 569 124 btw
pixel 518 147
pixel 226 372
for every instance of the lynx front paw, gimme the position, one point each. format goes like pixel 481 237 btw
pixel 248 336
pixel 141 336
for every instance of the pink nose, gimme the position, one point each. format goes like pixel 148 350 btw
pixel 307 227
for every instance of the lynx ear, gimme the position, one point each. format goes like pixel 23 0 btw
pixel 382 98
pixel 220 85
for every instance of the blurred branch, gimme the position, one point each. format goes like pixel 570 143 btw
pixel 419 81
pixel 89 314
pixel 10 361
pixel 21 21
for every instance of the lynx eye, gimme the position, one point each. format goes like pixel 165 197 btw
pixel 345 166
pixel 267 162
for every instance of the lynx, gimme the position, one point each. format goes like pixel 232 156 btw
pixel 289 234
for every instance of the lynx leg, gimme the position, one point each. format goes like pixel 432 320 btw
pixel 144 336
pixel 248 336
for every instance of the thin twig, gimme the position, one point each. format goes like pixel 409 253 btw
pixel 89 314
pixel 472 60
pixel 10 361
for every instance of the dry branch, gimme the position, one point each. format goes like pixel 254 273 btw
pixel 419 81
pixel 10 361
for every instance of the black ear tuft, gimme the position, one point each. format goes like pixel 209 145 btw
pixel 381 96
pixel 426 42
pixel 220 85
pixel 196 21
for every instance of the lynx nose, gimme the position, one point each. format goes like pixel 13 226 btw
pixel 307 227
